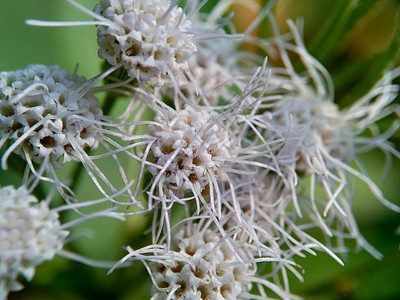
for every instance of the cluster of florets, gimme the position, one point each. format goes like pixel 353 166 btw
pixel 151 39
pixel 216 131
pixel 45 115
pixel 321 142
pixel 203 267
pixel 315 124
pixel 190 146
pixel 30 233
pixel 211 71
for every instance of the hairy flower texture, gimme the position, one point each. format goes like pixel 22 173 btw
pixel 30 233
pixel 205 268
pixel 260 214
pixel 220 66
pixel 190 150
pixel 45 115
pixel 150 38
pixel 322 140
pixel 215 72
pixel 209 75
pixel 201 264
pixel 192 146
pixel 253 210
pixel 153 39
pixel 314 123
pixel 50 117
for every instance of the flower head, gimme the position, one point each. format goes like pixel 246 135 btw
pixel 204 268
pixel 314 123
pixel 150 39
pixel 46 116
pixel 191 144
pixel 322 141
pixel 201 263
pixel 30 233
pixel 212 72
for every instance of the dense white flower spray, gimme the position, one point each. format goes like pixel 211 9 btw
pixel 214 143
pixel 192 149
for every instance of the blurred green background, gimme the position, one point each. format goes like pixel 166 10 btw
pixel 362 277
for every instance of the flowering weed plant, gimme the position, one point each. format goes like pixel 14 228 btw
pixel 227 151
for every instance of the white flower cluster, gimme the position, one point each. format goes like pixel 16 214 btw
pixel 192 145
pixel 210 72
pixel 30 233
pixel 316 123
pixel 322 141
pixel 151 39
pixel 204 268
pixel 207 125
pixel 44 114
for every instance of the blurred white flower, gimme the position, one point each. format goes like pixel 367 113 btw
pixel 30 233
pixel 323 141
pixel 213 72
pixel 259 215
pixel 221 65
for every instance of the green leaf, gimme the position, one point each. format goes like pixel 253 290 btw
pixel 357 79
pixel 345 15
pixel 362 8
